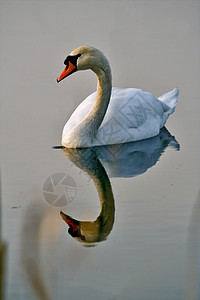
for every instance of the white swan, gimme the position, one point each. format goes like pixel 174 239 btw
pixel 112 115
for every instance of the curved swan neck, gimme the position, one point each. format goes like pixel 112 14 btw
pixel 94 118
pixel 83 134
pixel 104 87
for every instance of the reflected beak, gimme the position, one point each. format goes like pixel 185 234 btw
pixel 69 69
pixel 74 224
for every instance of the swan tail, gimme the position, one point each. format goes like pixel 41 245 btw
pixel 169 139
pixel 170 99
pixel 174 144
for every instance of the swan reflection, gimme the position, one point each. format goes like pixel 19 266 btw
pixel 134 158
pixel 100 163
pixel 98 230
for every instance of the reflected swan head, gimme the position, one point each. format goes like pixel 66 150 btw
pixel 87 232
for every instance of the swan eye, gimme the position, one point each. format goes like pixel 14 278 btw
pixel 72 59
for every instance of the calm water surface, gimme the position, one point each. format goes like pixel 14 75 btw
pixel 137 237
pixel 133 210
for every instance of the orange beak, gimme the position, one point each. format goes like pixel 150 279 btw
pixel 69 69
pixel 70 221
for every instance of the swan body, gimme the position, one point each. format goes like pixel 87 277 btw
pixel 112 115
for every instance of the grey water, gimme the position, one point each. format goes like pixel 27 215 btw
pixel 110 222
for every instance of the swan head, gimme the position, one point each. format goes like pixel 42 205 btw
pixel 86 232
pixel 84 58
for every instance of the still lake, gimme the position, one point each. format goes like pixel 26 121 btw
pixel 134 208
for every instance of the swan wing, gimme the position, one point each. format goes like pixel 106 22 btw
pixel 132 115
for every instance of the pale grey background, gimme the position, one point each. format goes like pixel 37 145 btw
pixel 153 45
